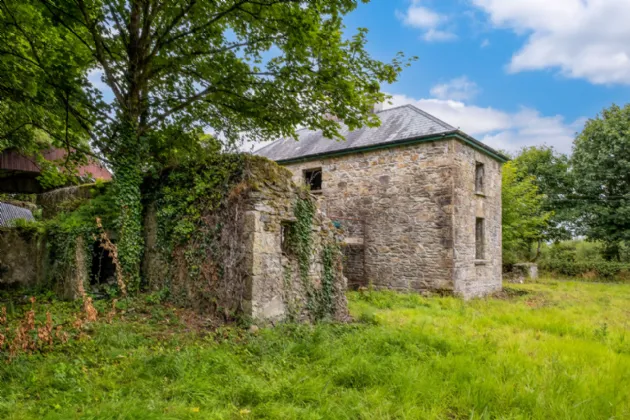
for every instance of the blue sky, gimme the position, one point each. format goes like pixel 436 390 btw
pixel 510 72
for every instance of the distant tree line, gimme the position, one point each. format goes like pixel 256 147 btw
pixel 550 198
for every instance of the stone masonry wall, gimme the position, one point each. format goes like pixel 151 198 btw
pixel 276 291
pixel 405 197
pixel 476 277
pixel 419 208
pixel 254 275
pixel 22 258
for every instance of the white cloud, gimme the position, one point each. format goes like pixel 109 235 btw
pixel 500 129
pixel 585 39
pixel 485 43
pixel 432 23
pixel 95 77
pixel 459 89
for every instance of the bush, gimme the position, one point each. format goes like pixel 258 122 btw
pixel 608 270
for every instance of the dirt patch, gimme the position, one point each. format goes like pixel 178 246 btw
pixel 509 293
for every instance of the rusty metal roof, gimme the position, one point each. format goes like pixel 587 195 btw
pixel 9 212
pixel 398 125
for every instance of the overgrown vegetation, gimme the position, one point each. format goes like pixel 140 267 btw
pixel 547 350
pixel 173 70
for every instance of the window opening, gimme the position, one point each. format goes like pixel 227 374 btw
pixel 313 178
pixel 479 177
pixel 479 239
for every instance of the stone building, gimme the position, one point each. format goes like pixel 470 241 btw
pixel 258 263
pixel 419 200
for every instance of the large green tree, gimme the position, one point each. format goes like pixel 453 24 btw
pixel 550 172
pixel 524 218
pixel 601 167
pixel 257 68
pixel 45 97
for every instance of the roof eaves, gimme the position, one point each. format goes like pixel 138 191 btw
pixel 474 143
pixel 482 147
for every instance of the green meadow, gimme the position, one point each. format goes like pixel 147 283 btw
pixel 549 350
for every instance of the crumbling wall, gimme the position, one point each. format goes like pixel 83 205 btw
pixel 64 199
pixel 244 267
pixel 22 258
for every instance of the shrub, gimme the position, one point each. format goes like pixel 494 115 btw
pixel 608 270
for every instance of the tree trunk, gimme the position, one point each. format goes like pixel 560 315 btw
pixel 128 176
pixel 537 251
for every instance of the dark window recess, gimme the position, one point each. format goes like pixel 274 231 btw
pixel 479 239
pixel 103 268
pixel 313 178
pixel 479 175
pixel 286 234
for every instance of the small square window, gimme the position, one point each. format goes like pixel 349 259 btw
pixel 479 177
pixel 313 178
pixel 479 239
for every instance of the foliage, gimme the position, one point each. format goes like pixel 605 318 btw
pixel 80 221
pixel 300 236
pixel 606 270
pixel 196 186
pixel 45 97
pixel 601 164
pixel 574 250
pixel 30 334
pixel 546 350
pixel 550 172
pixel 523 216
pixel 260 68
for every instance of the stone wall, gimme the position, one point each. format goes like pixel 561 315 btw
pixel 404 197
pixel 22 258
pixel 476 277
pixel 418 206
pixel 250 274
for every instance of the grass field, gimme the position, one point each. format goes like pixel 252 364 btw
pixel 552 350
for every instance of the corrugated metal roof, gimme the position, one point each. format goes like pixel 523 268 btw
pixel 9 212
pixel 397 124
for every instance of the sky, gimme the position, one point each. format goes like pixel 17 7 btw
pixel 511 73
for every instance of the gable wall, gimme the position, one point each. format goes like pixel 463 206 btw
pixel 403 199
pixel 476 278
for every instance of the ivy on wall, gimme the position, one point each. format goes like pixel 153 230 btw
pixel 320 301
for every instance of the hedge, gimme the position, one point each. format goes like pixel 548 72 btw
pixel 601 269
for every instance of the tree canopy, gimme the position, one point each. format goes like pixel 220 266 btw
pixel 523 216
pixel 550 173
pixel 254 68
pixel 601 166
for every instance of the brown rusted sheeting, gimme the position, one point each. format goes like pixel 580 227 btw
pixel 13 161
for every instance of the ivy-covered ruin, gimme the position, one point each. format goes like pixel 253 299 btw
pixel 229 235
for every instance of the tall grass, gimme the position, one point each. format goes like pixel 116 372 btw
pixel 556 350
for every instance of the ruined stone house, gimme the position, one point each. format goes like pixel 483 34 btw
pixel 418 199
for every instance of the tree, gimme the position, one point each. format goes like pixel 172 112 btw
pixel 524 218
pixel 549 172
pixel 45 98
pixel 241 67
pixel 601 166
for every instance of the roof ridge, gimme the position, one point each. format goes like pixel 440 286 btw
pixel 431 117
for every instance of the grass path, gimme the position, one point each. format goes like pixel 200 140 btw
pixel 552 350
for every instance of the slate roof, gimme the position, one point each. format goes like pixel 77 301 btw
pixel 9 212
pixel 398 125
